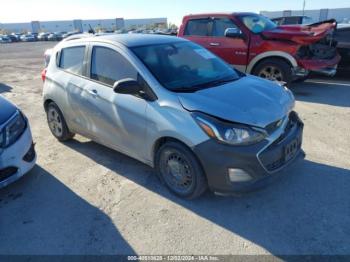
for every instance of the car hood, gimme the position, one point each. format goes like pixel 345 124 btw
pixel 301 34
pixel 249 100
pixel 7 109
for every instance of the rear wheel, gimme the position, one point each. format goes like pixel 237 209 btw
pixel 180 170
pixel 275 70
pixel 57 123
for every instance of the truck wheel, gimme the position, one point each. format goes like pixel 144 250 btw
pixel 57 124
pixel 180 170
pixel 275 70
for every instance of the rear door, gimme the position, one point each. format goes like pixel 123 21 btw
pixel 71 78
pixel 233 50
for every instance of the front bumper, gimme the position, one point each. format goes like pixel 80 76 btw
pixel 263 161
pixel 326 67
pixel 18 159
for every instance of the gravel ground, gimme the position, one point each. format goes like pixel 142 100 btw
pixel 83 198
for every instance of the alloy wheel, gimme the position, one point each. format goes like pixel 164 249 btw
pixel 55 122
pixel 271 73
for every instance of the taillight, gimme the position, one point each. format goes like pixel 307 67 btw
pixel 43 74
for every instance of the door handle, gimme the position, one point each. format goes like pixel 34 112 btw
pixel 92 92
pixel 214 44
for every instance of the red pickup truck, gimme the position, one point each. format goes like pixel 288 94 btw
pixel 254 44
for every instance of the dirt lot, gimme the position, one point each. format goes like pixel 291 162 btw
pixel 83 198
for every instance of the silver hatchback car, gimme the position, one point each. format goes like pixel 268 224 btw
pixel 175 106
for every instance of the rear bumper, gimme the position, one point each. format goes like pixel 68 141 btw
pixel 17 160
pixel 263 161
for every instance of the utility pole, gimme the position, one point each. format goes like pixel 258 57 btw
pixel 304 7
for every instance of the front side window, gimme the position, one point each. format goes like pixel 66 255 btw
pixel 199 27
pixel 257 23
pixel 108 66
pixel 220 26
pixel 185 66
pixel 72 59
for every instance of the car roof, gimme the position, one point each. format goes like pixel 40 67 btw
pixel 292 16
pixel 131 40
pixel 219 14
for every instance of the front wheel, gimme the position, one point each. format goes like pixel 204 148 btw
pixel 275 70
pixel 180 170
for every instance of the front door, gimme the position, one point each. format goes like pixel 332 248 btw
pixel 233 50
pixel 118 120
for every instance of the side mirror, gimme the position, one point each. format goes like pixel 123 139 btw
pixel 127 86
pixel 233 33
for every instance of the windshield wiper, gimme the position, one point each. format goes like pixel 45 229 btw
pixel 194 88
pixel 215 83
pixel 184 89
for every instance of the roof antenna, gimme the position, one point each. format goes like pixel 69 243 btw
pixel 91 31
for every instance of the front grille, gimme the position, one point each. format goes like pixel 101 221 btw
pixel 273 126
pixel 273 157
pixel 30 155
pixel 7 172
pixel 292 121
pixel 275 165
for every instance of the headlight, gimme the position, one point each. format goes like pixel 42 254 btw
pixel 12 130
pixel 229 133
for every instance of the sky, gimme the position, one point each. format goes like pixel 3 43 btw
pixel 46 10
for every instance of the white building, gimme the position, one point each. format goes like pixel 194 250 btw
pixel 81 25
pixel 342 15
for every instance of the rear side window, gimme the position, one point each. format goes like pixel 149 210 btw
pixel 220 26
pixel 72 59
pixel 199 27
pixel 108 66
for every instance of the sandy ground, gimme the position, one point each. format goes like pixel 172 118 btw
pixel 83 198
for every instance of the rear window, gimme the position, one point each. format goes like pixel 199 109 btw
pixel 72 59
pixel 199 27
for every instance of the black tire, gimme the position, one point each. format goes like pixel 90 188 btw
pixel 193 184
pixel 279 70
pixel 58 127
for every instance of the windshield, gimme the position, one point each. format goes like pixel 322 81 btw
pixel 307 20
pixel 258 23
pixel 185 66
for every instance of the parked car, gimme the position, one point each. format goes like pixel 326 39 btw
pixel 28 38
pixel 17 154
pixel 254 44
pixel 175 106
pixel 293 20
pixel 4 39
pixel 17 35
pixel 342 36
pixel 120 31
pixel 13 38
pixel 43 36
pixel 55 37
